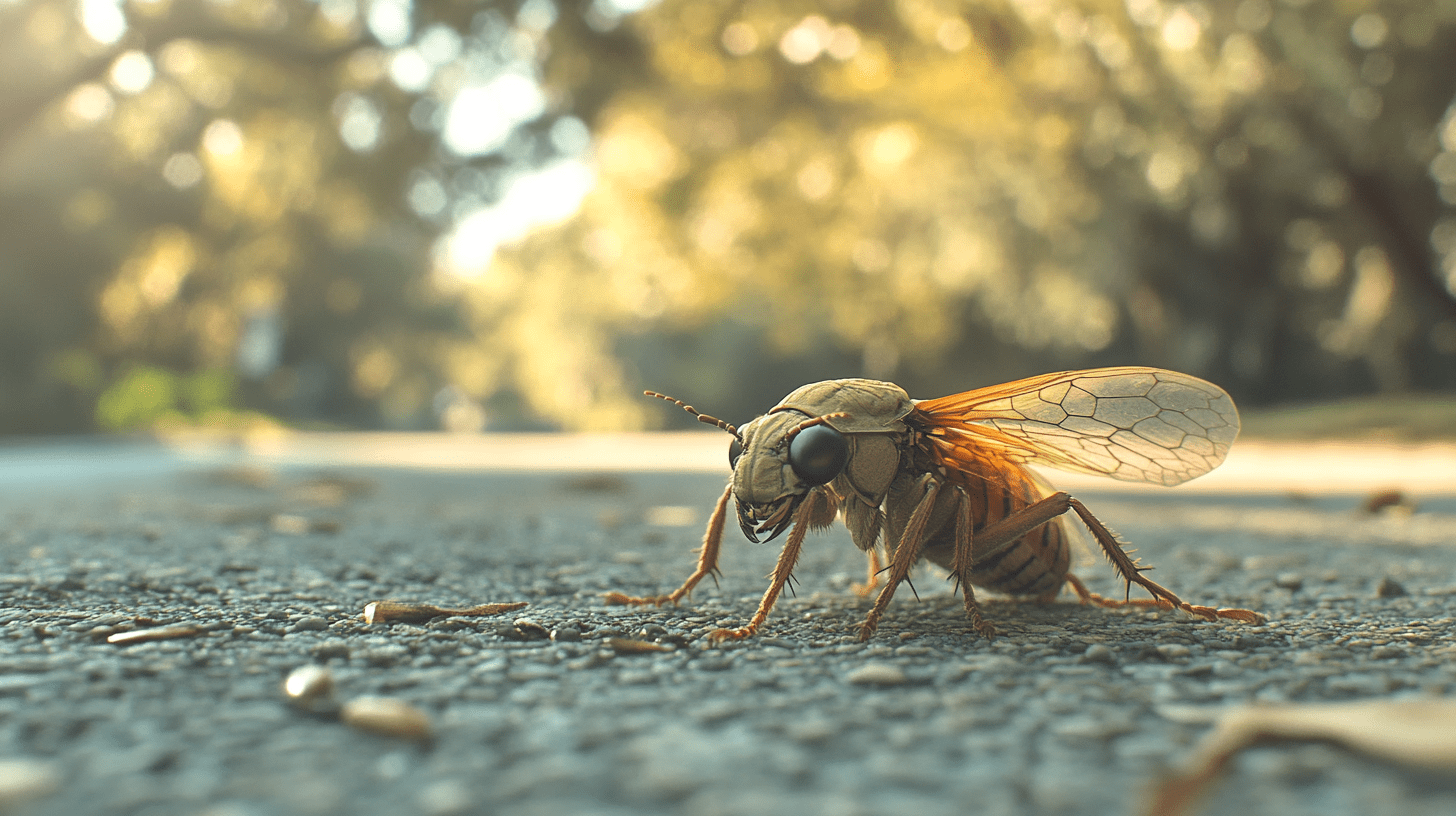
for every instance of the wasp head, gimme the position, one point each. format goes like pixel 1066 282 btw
pixel 777 459
pixel 780 458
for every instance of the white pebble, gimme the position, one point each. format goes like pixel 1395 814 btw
pixel 877 674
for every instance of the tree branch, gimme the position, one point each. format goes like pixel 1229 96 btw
pixel 152 37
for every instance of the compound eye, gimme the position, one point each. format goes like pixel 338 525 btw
pixel 818 453
pixel 735 450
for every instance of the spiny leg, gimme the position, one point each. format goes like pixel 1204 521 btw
pixel 1007 531
pixel 962 562
pixel 811 514
pixel 907 551
pixel 1131 573
pixel 707 561
pixel 1086 595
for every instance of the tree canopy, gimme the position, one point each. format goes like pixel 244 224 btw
pixel 519 214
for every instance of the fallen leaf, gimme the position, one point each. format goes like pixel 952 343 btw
pixel 1416 733
pixel 401 612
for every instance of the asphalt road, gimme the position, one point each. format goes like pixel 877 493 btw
pixel 268 558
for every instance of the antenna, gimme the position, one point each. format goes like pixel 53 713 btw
pixel 811 422
pixel 714 421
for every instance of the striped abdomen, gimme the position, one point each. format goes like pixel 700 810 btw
pixel 1036 564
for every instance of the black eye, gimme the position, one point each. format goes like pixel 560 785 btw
pixel 735 449
pixel 818 454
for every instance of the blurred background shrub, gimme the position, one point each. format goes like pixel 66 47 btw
pixel 516 215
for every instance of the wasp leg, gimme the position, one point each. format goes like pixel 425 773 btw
pixel 1129 570
pixel 872 579
pixel 1086 595
pixel 907 551
pixel 1008 530
pixel 963 561
pixel 816 511
pixel 707 561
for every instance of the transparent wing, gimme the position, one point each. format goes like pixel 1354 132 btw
pixel 1130 423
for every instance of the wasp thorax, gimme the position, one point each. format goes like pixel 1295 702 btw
pixel 818 454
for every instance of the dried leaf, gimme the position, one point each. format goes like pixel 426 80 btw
pixel 1417 733
pixel 158 633
pixel 401 612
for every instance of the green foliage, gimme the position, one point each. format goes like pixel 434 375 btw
pixel 146 397
pixel 277 207
pixel 138 400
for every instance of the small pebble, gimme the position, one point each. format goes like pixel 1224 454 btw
pixel 566 634
pixel 531 630
pixel 632 646
pixel 1099 653
pixel 386 716
pixel 877 674
pixel 1387 500
pixel 1389 588
pixel 1291 581
pixel 22 780
pixel 311 689
pixel 288 524
pixel 311 623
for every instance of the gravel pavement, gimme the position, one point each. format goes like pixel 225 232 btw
pixel 257 564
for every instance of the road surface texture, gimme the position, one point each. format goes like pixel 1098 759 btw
pixel 266 556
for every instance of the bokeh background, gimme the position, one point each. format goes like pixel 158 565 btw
pixel 516 215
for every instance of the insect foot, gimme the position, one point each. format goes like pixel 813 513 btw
pixel 983 627
pixel 1166 601
pixel 718 636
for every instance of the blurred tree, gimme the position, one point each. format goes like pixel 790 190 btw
pixel 953 193
pixel 241 200
pixel 327 210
